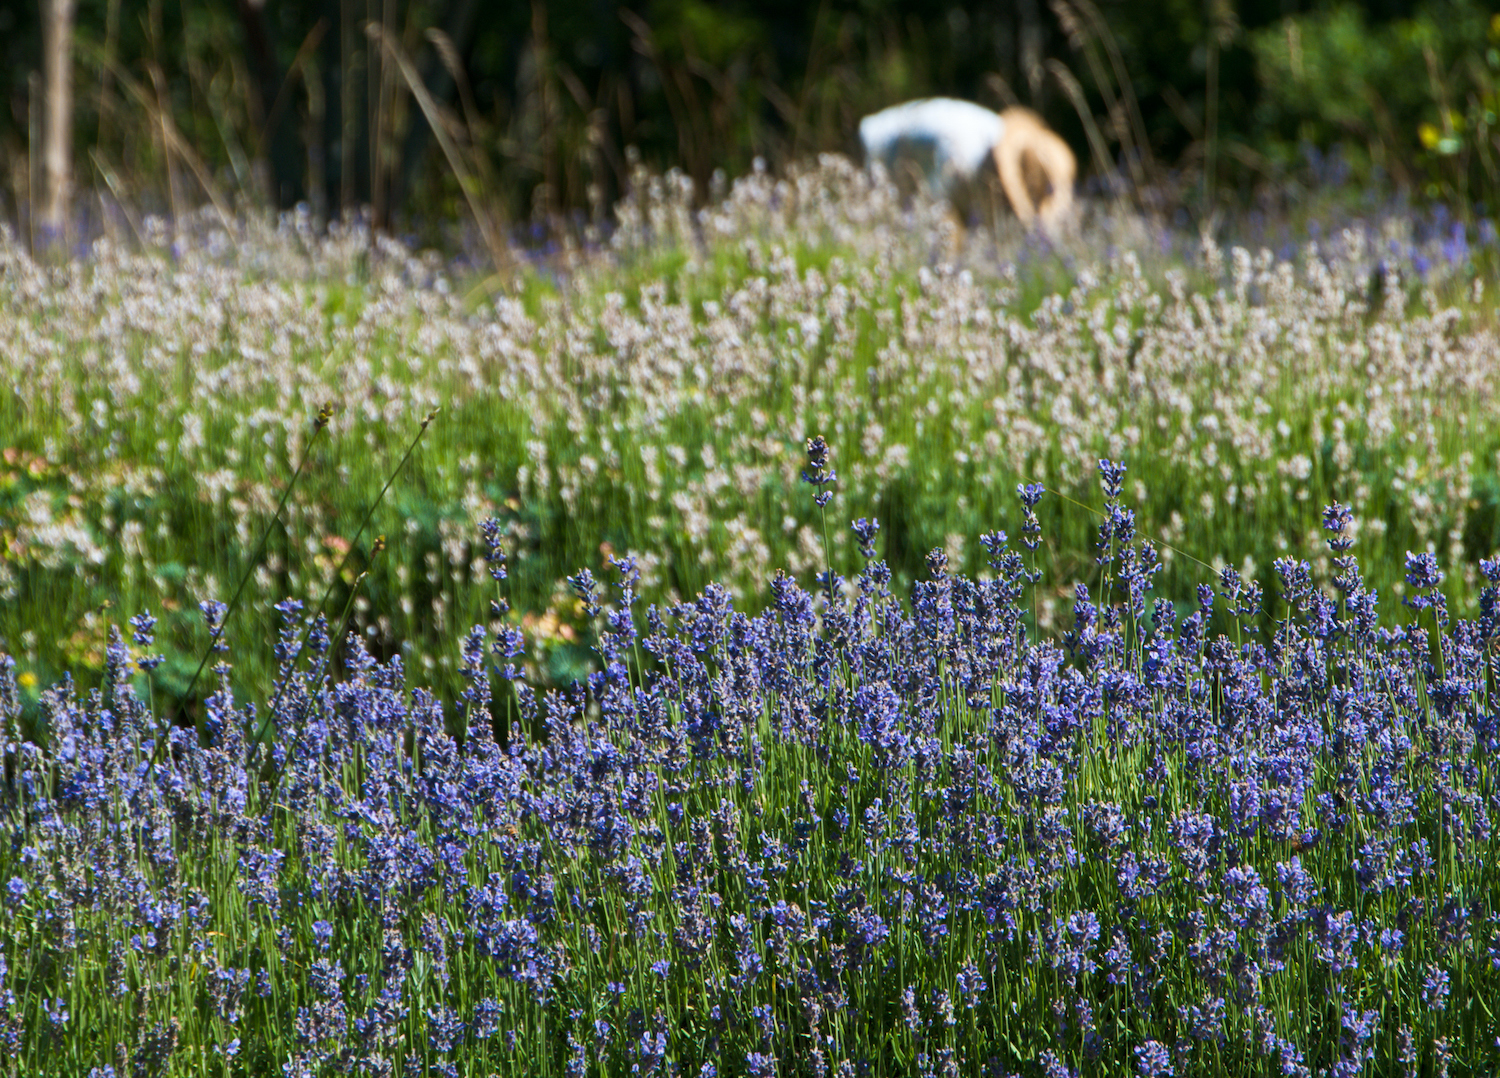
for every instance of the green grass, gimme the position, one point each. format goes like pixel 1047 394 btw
pixel 655 398
pixel 939 393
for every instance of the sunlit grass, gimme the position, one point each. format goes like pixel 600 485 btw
pixel 652 396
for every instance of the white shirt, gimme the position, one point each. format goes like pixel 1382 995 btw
pixel 951 139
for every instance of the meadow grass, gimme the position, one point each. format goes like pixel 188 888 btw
pixel 1018 820
pixel 652 394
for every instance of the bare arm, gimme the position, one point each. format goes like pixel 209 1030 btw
pixel 1012 182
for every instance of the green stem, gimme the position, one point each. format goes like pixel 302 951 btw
pixel 337 573
pixel 324 415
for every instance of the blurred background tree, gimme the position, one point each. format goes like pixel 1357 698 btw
pixel 537 110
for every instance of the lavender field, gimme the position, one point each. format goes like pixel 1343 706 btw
pixel 668 737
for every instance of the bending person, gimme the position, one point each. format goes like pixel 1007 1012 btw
pixel 1037 170
pixel 950 143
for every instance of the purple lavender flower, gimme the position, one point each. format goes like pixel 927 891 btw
pixel 865 532
pixel 158 1046
pixel 317 635
pixel 1423 576
pixel 1118 961
pixel 1360 1030
pixel 259 871
pixel 143 636
pixel 651 1051
pixel 577 1065
pixel 942 1005
pixel 765 1020
pixel 587 591
pixel 213 616
pixel 1205 1021
pixel 287 643
pixel 494 554
pixel 621 620
pixel 1297 586
pixel 1152 1060
pixel 747 952
pixel 1297 884
pixel 1246 901
pixel 1071 943
pixel 1336 519
pixel 1054 1067
pixel 817 473
pixel 1336 935
pixel 1112 477
pixel 486 1018
pixel 909 1012
pixel 325 977
pixel 971 985
pixel 1435 985
pixel 881 726
pixel 1031 526
pixel 994 547
pixel 868 928
pixel 1197 838
pixel 227 989
pixel 445 1030
pixel 932 915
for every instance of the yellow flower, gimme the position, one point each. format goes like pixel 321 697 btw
pixel 27 680
pixel 1430 135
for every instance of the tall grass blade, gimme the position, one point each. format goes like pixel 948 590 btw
pixel 1070 86
pixel 441 122
pixel 173 138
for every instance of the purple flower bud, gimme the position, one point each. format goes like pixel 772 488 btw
pixel 865 531
pixel 1112 477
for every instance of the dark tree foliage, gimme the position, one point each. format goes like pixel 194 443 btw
pixel 294 101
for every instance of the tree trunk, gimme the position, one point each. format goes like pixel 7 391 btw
pixel 57 120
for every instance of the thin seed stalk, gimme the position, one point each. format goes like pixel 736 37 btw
pixel 338 572
pixel 320 423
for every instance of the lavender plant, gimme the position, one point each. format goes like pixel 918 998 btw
pixel 651 393
pixel 848 834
